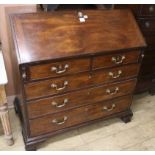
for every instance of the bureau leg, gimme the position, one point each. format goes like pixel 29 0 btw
pixel 17 108
pixel 30 147
pixel 127 117
pixel 16 105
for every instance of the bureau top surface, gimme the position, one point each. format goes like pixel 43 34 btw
pixel 45 36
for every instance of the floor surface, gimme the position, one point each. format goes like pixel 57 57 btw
pixel 112 134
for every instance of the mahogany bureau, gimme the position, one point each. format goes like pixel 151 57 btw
pixel 74 68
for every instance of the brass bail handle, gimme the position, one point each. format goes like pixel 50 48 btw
pixel 60 121
pixel 118 59
pixel 112 92
pixel 60 105
pixel 53 85
pixel 60 69
pixel 105 108
pixel 114 76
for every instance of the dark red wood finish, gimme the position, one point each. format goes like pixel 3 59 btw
pixel 78 81
pixel 79 98
pixel 75 116
pixel 98 58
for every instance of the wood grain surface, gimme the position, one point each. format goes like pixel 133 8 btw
pixel 63 35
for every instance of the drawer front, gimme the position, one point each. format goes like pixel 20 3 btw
pixel 64 84
pixel 42 71
pixel 115 59
pixel 79 98
pixel 148 10
pixel 109 107
pixel 147 25
pixel 58 121
pixel 69 83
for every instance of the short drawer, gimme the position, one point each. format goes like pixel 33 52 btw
pixel 79 98
pixel 56 69
pixel 148 10
pixel 64 84
pixel 115 59
pixel 58 121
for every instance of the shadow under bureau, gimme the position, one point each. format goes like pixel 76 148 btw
pixel 74 68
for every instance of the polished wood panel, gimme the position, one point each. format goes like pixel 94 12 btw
pixel 58 68
pixel 45 124
pixel 69 83
pixel 79 98
pixel 109 107
pixel 116 59
pixel 75 116
pixel 65 36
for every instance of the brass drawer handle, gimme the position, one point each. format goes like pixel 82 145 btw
pixel 60 121
pixel 147 24
pixel 118 59
pixel 60 69
pixel 60 105
pixel 151 8
pixel 112 92
pixel 105 108
pixel 53 85
pixel 115 76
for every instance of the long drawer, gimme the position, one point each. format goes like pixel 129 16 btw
pixel 69 83
pixel 58 121
pixel 79 98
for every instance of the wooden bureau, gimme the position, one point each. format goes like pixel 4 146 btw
pixel 145 17
pixel 71 73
